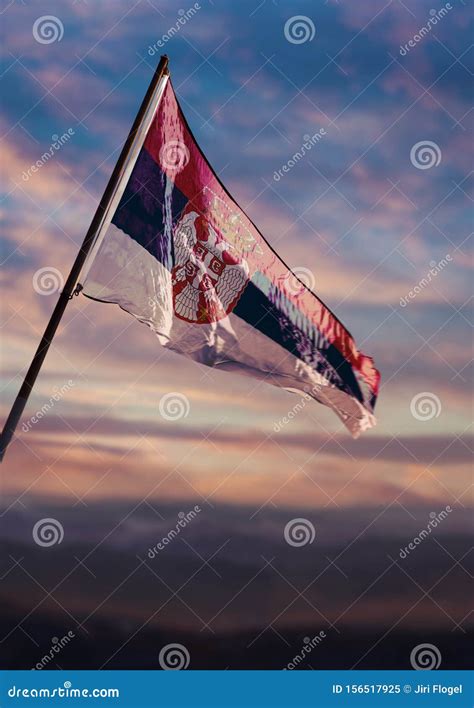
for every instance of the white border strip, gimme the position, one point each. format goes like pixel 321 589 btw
pixel 124 177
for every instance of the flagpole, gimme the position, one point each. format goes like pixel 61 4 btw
pixel 70 286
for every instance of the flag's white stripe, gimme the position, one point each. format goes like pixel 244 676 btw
pixel 127 274
pixel 125 176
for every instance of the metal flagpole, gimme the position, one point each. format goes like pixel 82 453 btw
pixel 89 241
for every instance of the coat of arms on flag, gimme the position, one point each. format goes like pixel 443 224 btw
pixel 171 246
pixel 208 275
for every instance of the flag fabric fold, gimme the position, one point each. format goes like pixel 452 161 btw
pixel 181 256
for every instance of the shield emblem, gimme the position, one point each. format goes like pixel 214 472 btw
pixel 208 276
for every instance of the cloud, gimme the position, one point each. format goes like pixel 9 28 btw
pixel 355 211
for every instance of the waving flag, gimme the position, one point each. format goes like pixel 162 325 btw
pixel 181 256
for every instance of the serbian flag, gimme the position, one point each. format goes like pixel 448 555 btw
pixel 181 256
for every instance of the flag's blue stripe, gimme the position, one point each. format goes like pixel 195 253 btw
pixel 142 209
pixel 258 310
pixel 141 215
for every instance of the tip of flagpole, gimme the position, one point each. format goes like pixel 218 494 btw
pixel 164 59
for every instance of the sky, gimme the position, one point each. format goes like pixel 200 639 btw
pixel 120 438
pixel 380 200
